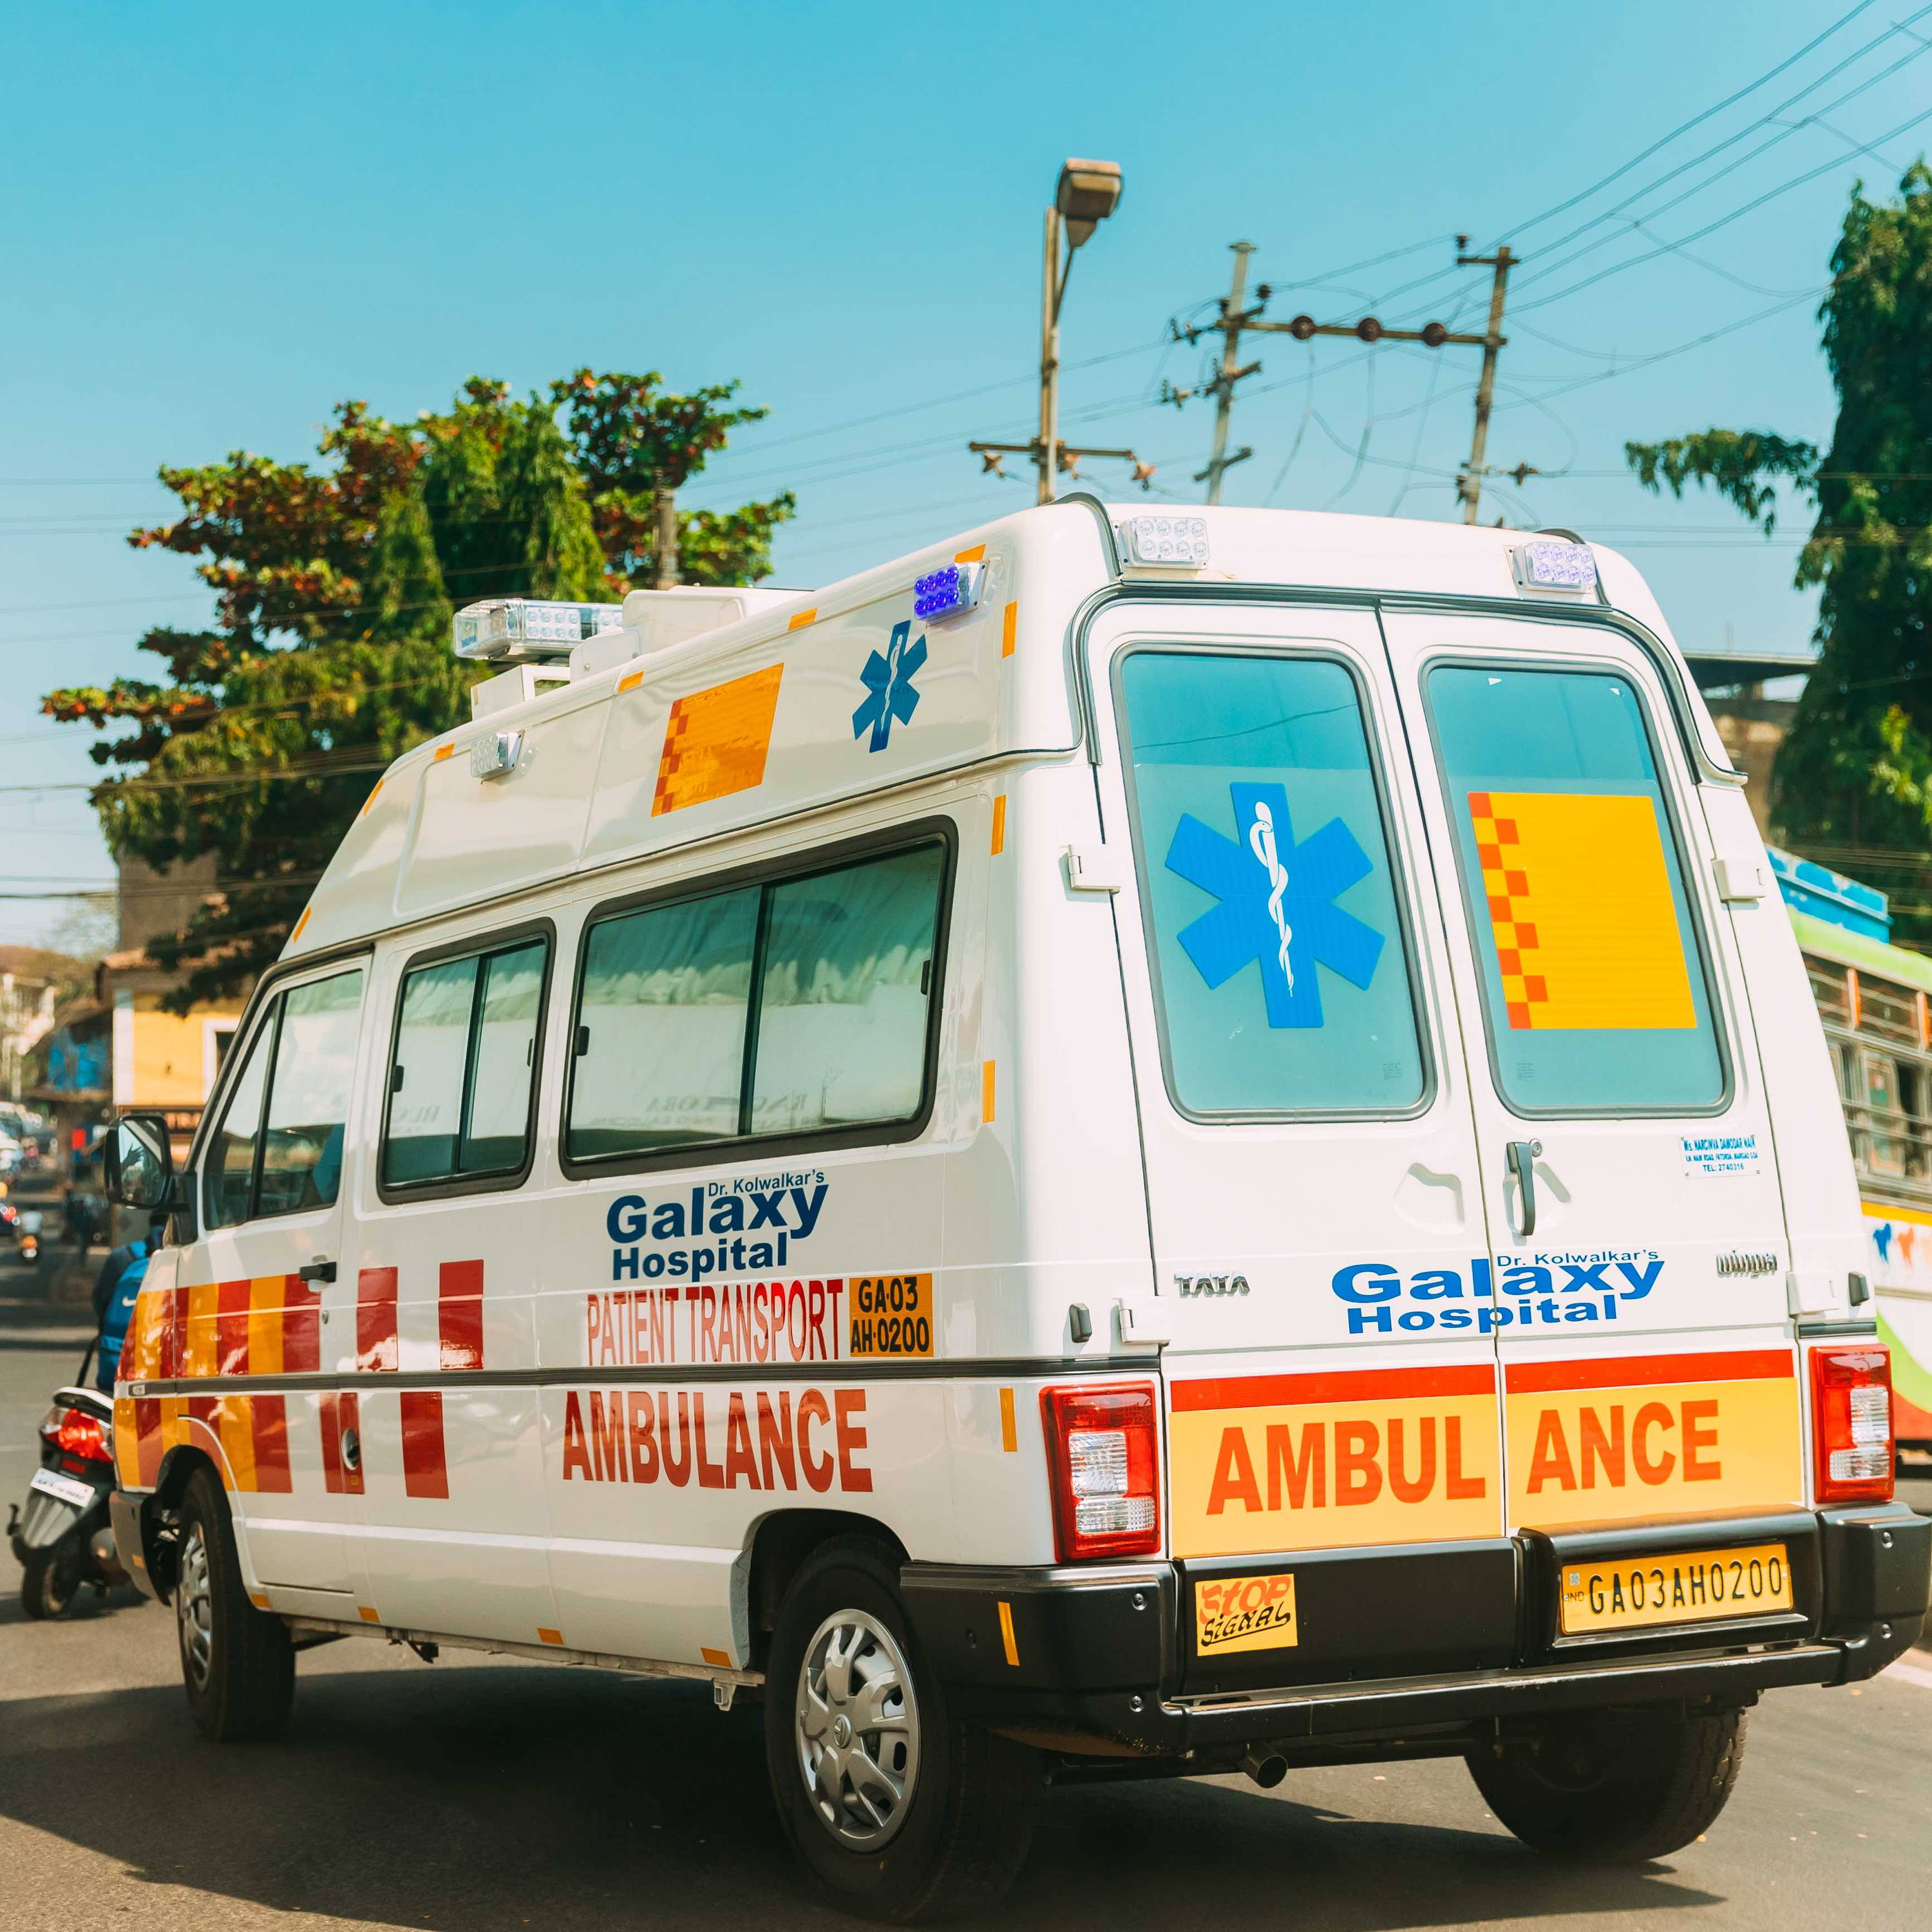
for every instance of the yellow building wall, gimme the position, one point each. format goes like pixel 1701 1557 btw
pixel 171 1057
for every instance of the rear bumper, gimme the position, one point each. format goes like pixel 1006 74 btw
pixel 1099 1659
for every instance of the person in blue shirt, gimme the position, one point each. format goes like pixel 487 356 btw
pixel 114 1290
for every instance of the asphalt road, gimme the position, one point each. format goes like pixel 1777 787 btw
pixel 474 1795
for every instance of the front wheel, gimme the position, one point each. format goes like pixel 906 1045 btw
pixel 1612 1787
pixel 237 1663
pixel 50 1580
pixel 897 1810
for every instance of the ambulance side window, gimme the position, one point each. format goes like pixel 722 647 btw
pixel 792 1005
pixel 279 1148
pixel 231 1158
pixel 661 1027
pixel 1593 980
pixel 308 1098
pixel 842 998
pixel 463 1071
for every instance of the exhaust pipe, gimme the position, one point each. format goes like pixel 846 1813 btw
pixel 1267 1768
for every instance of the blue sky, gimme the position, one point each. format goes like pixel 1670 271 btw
pixel 220 221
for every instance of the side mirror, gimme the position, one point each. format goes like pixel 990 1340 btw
pixel 140 1163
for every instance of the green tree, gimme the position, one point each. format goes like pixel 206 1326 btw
pixel 630 438
pixel 1856 770
pixel 329 654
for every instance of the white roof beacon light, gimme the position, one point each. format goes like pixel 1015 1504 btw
pixel 1180 543
pixel 530 630
pixel 1552 562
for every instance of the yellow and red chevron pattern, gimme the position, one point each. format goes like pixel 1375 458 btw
pixel 271 1325
pixel 1579 900
pixel 716 741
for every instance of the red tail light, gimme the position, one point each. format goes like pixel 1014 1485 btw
pixel 1851 1420
pixel 1103 1452
pixel 80 1434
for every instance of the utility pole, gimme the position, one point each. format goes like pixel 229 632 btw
pixel 1087 193
pixel 668 573
pixel 1233 317
pixel 1469 485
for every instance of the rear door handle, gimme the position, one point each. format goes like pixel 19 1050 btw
pixel 318 1271
pixel 1522 1156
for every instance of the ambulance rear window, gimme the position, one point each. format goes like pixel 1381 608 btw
pixel 1593 981
pixel 1279 955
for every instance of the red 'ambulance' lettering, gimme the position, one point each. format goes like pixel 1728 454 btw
pixel 627 1436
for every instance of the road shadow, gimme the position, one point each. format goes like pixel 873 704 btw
pixel 469 1800
pixel 89 1607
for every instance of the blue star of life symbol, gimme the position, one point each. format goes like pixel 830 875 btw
pixel 1277 903
pixel 887 678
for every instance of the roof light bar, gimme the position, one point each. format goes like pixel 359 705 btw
pixel 512 630
pixel 1178 542
pixel 1554 563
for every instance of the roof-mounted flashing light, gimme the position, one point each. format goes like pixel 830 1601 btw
pixel 950 593
pixel 1179 542
pixel 1554 563
pixel 512 630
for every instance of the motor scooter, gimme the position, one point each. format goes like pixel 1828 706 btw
pixel 63 1538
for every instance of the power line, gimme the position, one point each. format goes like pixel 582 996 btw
pixel 1636 161
pixel 1696 121
pixel 1670 247
pixel 1765 120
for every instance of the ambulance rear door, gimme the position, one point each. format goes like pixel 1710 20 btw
pixel 1311 1162
pixel 1626 1159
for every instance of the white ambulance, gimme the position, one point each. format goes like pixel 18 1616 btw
pixel 1130 1145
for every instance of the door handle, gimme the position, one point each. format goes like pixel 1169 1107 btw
pixel 1522 1156
pixel 317 1271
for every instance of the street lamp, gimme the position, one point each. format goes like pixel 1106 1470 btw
pixel 1088 192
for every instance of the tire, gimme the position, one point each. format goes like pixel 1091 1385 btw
pixel 1613 1788
pixel 49 1581
pixel 953 1844
pixel 238 1664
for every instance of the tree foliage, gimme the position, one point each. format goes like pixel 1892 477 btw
pixel 1856 769
pixel 630 438
pixel 334 584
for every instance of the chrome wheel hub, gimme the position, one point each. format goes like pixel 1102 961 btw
pixel 194 1608
pixel 857 1730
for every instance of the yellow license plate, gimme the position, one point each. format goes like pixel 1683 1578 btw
pixel 1688 1587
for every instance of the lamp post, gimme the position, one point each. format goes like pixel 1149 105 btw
pixel 1088 193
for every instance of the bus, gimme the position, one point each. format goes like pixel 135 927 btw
pixel 1875 999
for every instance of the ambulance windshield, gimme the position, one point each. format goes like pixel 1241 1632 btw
pixel 1278 957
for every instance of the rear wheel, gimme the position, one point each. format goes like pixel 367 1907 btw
pixel 237 1663
pixel 1613 1787
pixel 49 1580
pixel 897 1810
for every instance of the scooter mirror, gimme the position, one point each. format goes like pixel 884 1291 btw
pixel 139 1162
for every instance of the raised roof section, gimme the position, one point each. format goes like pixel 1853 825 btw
pixel 813 698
